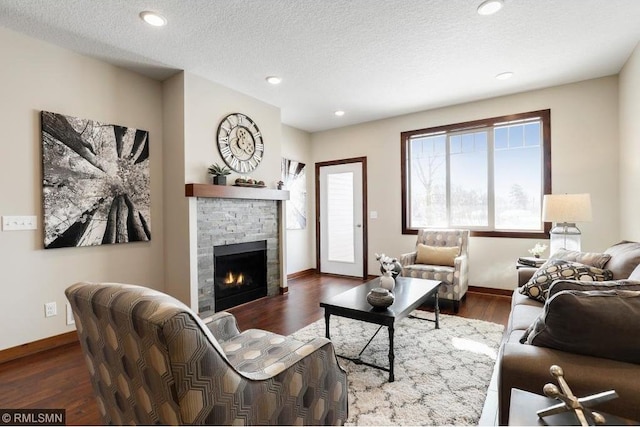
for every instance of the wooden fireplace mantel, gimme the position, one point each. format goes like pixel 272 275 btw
pixel 233 192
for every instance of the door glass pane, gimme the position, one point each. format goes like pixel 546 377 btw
pixel 340 227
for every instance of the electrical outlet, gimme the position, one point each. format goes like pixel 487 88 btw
pixel 50 309
pixel 70 318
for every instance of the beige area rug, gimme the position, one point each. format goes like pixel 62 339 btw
pixel 441 376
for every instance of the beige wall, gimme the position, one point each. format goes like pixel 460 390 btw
pixel 584 126
pixel 206 104
pixel 630 147
pixel 37 76
pixel 301 249
pixel 177 262
pixel 194 108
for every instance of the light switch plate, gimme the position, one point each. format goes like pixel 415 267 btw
pixel 70 318
pixel 15 223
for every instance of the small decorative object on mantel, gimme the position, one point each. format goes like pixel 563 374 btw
pixel 249 182
pixel 579 406
pixel 380 298
pixel 389 264
pixel 538 249
pixel 219 174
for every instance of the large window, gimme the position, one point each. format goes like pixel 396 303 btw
pixel 488 176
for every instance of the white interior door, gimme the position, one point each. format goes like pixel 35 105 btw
pixel 341 219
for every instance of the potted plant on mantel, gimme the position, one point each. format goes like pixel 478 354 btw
pixel 219 174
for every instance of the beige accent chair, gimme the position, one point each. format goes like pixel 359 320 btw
pixel 154 361
pixel 454 278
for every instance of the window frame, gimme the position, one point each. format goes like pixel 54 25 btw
pixel 545 118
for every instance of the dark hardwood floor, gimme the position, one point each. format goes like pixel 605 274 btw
pixel 59 378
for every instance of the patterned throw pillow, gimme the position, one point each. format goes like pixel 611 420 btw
pixel 593 259
pixel 537 287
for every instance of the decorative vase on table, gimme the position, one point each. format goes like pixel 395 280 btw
pixel 380 298
pixel 387 281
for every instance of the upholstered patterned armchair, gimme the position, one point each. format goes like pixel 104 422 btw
pixel 454 277
pixel 153 361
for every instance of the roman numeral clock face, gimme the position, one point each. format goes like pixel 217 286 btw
pixel 240 143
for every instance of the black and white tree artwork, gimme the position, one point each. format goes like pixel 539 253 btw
pixel 95 182
pixel 295 180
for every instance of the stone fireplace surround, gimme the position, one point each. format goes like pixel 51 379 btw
pixel 230 215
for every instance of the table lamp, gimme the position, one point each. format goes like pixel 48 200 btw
pixel 565 210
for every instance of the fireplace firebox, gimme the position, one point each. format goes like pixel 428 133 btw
pixel 240 273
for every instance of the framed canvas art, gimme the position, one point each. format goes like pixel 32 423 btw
pixel 294 179
pixel 95 182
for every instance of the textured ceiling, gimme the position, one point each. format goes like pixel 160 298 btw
pixel 371 58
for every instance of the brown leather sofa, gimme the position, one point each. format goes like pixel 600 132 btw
pixel 526 366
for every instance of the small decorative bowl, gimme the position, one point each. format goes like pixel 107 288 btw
pixel 380 297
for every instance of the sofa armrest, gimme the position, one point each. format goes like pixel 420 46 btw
pixel 290 360
pixel 461 277
pixel 524 274
pixel 222 325
pixel 526 367
pixel 408 258
pixel 325 384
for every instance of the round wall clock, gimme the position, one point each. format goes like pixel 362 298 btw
pixel 240 143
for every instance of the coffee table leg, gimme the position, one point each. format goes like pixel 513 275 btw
pixel 391 355
pixel 437 309
pixel 326 322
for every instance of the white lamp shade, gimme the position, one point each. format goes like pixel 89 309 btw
pixel 566 207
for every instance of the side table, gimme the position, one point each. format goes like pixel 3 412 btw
pixel 524 405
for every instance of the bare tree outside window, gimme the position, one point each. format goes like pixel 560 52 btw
pixel 488 176
pixel 95 182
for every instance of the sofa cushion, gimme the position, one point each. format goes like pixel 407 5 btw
pixel 625 257
pixel 429 272
pixel 254 350
pixel 577 285
pixel 434 255
pixel 554 269
pixel 594 323
pixel 522 316
pixel 594 259
pixel 520 299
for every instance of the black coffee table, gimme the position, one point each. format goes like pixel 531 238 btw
pixel 409 294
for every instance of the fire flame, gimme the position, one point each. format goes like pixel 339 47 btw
pixel 234 280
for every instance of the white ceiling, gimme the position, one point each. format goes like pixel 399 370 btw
pixel 372 58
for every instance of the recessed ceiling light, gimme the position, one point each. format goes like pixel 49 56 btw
pixel 504 76
pixel 489 7
pixel 339 113
pixel 153 18
pixel 274 80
